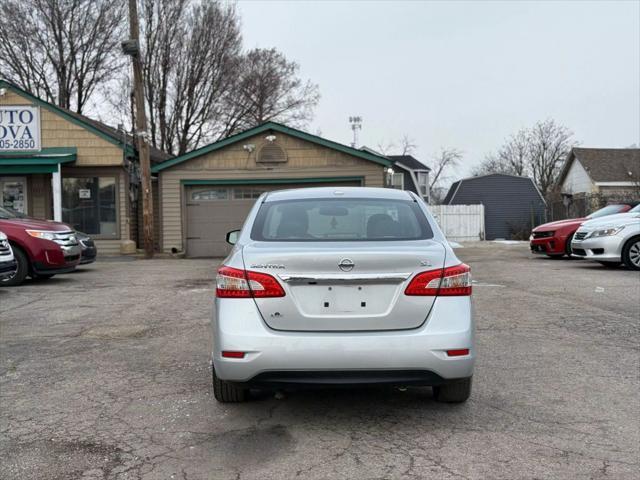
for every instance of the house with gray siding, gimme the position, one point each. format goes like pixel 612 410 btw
pixel 411 174
pixel 512 205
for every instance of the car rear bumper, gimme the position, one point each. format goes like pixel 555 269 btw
pixel 416 356
pixel 310 378
pixel 603 249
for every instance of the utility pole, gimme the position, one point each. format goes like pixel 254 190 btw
pixel 132 48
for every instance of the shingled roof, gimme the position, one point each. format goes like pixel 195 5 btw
pixel 606 164
pixel 409 161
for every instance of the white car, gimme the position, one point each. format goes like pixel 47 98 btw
pixel 8 263
pixel 610 240
pixel 350 286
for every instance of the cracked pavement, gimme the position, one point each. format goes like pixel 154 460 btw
pixel 104 374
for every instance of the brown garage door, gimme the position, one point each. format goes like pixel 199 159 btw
pixel 214 210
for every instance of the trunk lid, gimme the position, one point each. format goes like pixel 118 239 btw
pixel 344 286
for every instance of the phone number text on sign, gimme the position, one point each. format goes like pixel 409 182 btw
pixel 19 128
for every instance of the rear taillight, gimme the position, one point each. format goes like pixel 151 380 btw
pixel 236 283
pixel 451 281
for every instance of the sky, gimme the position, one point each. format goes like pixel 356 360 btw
pixel 460 74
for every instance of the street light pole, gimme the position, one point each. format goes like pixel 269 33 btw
pixel 132 48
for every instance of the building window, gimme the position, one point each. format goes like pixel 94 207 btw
pixel 396 180
pixel 247 193
pixel 13 193
pixel 211 194
pixel 89 205
pixel 423 183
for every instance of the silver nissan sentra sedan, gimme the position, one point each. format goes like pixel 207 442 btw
pixel 342 286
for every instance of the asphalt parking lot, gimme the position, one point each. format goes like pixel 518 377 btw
pixel 104 373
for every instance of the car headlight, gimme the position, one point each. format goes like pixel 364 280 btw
pixel 606 232
pixel 44 234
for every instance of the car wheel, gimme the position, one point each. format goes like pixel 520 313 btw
pixel 631 253
pixel 610 264
pixel 567 246
pixel 454 392
pixel 21 272
pixel 228 392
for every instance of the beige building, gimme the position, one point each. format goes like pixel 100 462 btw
pixel 209 191
pixel 56 164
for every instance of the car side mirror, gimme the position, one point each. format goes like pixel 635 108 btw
pixel 232 237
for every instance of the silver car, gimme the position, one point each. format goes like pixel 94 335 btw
pixel 342 286
pixel 610 240
pixel 8 264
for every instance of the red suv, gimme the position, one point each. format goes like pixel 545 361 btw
pixel 41 248
pixel 554 238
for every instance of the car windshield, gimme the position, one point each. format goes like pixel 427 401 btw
pixel 329 219
pixel 7 213
pixel 608 210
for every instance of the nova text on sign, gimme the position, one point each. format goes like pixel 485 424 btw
pixel 19 128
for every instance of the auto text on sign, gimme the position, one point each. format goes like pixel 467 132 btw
pixel 19 128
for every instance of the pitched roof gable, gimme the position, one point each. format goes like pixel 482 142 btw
pixel 102 130
pixel 410 162
pixel 605 164
pixel 276 127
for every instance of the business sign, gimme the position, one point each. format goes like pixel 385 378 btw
pixel 84 193
pixel 19 128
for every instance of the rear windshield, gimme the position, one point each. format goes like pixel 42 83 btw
pixel 329 219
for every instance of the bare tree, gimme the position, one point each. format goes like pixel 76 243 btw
pixel 386 147
pixel 491 164
pixel 405 146
pixel 191 65
pixel 514 153
pixel 512 157
pixel 61 50
pixel 549 145
pixel 445 160
pixel 269 88
pixel 442 163
pixel 201 87
pixel 537 152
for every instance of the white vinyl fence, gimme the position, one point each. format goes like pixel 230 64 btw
pixel 460 223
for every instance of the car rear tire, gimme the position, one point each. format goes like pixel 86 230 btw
pixel 21 272
pixel 631 253
pixel 228 392
pixel 454 392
